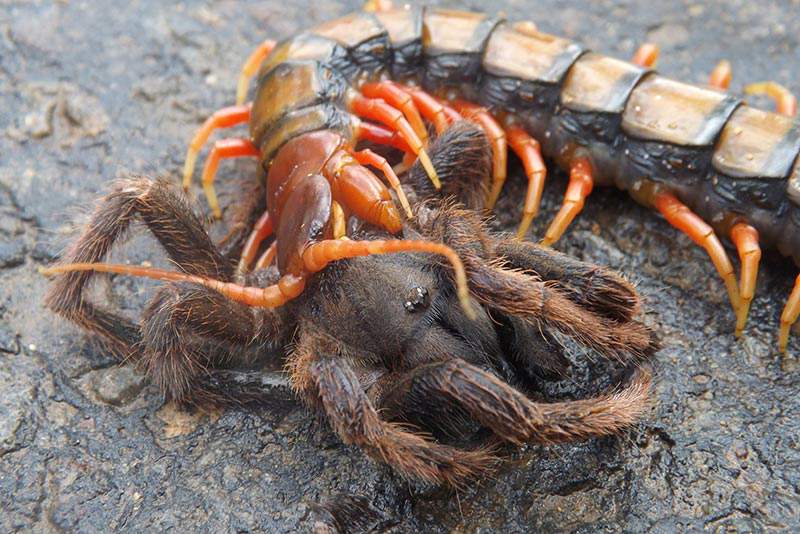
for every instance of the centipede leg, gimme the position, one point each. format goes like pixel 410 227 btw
pixel 250 67
pixel 720 77
pixel 682 218
pixel 646 55
pixel 396 96
pixel 529 151
pixel 745 237
pixel 785 101
pixel 789 315
pixel 380 135
pixel 223 149
pixel 440 114
pixel 268 256
pixel 378 110
pixel 261 230
pixel 368 157
pixel 497 140
pixel 224 118
pixel 579 187
pixel 338 221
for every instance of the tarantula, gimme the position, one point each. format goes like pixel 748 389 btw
pixel 380 344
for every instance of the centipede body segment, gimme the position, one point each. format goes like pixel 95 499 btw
pixel 711 164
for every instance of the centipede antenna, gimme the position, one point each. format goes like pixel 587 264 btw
pixel 320 254
pixel 287 288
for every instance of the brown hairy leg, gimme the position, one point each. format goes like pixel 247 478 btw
pixel 509 413
pixel 326 380
pixel 171 220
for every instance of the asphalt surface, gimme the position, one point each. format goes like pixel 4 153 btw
pixel 91 91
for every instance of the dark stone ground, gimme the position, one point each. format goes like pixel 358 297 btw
pixel 92 90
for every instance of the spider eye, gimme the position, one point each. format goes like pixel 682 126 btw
pixel 416 299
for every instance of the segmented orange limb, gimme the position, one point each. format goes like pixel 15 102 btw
pixel 224 118
pixel 250 67
pixel 396 96
pixel 338 221
pixel 381 136
pixel 745 237
pixel 529 151
pixel 721 76
pixel 368 157
pixel 579 186
pixel 681 217
pixel 497 139
pixel 223 149
pixel 785 101
pixel 268 256
pixel 646 56
pixel 318 255
pixel 378 110
pixel 261 230
pixel 287 288
pixel 789 315
pixel 439 114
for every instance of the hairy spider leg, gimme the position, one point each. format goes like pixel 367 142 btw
pixel 579 187
pixel 529 152
pixel 396 96
pixel 745 237
pixel 250 67
pixel 224 149
pixel 785 101
pixel 497 139
pixel 261 230
pixel 223 118
pixel 646 55
pixel 681 217
pixel 378 110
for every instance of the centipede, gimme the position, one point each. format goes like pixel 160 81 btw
pixel 708 162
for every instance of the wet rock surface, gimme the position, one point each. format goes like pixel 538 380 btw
pixel 90 91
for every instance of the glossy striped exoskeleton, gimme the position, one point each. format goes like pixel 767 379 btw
pixel 379 344
pixel 707 161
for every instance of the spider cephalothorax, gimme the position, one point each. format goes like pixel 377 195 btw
pixel 381 344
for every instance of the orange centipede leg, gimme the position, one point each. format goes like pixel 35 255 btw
pixel 382 136
pixel 318 255
pixel 378 110
pixel 224 118
pixel 785 101
pixel 646 55
pixel 789 315
pixel 580 185
pixel 745 237
pixel 721 76
pixel 529 151
pixel 441 115
pixel 250 67
pixel 261 230
pixel 497 139
pixel 287 288
pixel 368 157
pixel 681 217
pixel 268 256
pixel 223 149
pixel 396 96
